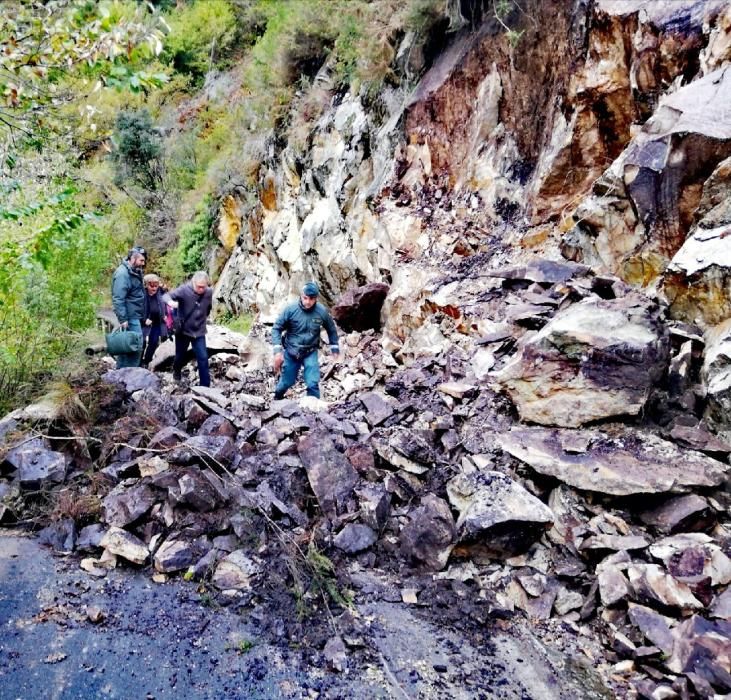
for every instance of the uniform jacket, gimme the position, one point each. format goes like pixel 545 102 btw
pixel 193 310
pixel 298 330
pixel 128 293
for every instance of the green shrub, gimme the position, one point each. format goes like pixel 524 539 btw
pixel 138 152
pixel 196 238
pixel 48 289
pixel 239 324
pixel 200 34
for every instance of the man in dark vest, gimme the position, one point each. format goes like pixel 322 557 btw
pixel 128 300
pixel 296 339
pixel 193 301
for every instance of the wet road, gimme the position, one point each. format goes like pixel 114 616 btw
pixel 159 641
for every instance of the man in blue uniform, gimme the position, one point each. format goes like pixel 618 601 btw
pixel 296 338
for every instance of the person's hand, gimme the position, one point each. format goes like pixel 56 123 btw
pixel 277 362
pixel 124 325
pixel 148 322
pixel 173 304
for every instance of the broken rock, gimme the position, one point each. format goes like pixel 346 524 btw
pixel 354 537
pixel 124 544
pixel 360 309
pixel 429 536
pixel 36 466
pixel 332 477
pixel 175 555
pixel 133 379
pixel 236 571
pixel 680 514
pixel 597 359
pixel 123 505
pixel 497 514
pixel 619 463
pixel 651 583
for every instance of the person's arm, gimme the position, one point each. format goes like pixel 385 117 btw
pixel 120 288
pixel 332 333
pixel 171 298
pixel 279 327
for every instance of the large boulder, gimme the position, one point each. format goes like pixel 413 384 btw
pixel 37 466
pixel 597 359
pixel 428 538
pixel 133 379
pixel 497 516
pixel 122 506
pixel 332 477
pixel 360 309
pixel 697 282
pixel 620 462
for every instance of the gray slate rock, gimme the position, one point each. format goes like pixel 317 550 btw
pixel 176 555
pixel 124 544
pixel 167 437
pixel 680 514
pixel 360 308
pixel 332 477
pixel 198 489
pixel 236 571
pixel 123 505
pixel 60 535
pixel 336 654
pixel 721 606
pixel 626 461
pixel 133 379
pixel 496 513
pixel 38 466
pixel 596 359
pixel 217 425
pixel 211 450
pixel 654 626
pixel 429 536
pixel 354 537
pixel 378 408
pixel 375 505
pixel 90 537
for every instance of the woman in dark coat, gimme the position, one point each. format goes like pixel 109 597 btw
pixel 155 318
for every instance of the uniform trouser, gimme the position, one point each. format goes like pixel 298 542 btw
pixel 182 342
pixel 131 359
pixel 290 369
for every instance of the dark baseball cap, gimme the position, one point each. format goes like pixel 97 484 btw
pixel 137 250
pixel 311 289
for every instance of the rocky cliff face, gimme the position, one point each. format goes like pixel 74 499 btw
pixel 592 134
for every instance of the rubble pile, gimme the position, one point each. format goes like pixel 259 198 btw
pixel 553 462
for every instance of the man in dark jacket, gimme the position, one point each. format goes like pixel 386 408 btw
pixel 296 339
pixel 128 300
pixel 193 301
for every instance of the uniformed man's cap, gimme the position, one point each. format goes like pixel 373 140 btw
pixel 311 289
